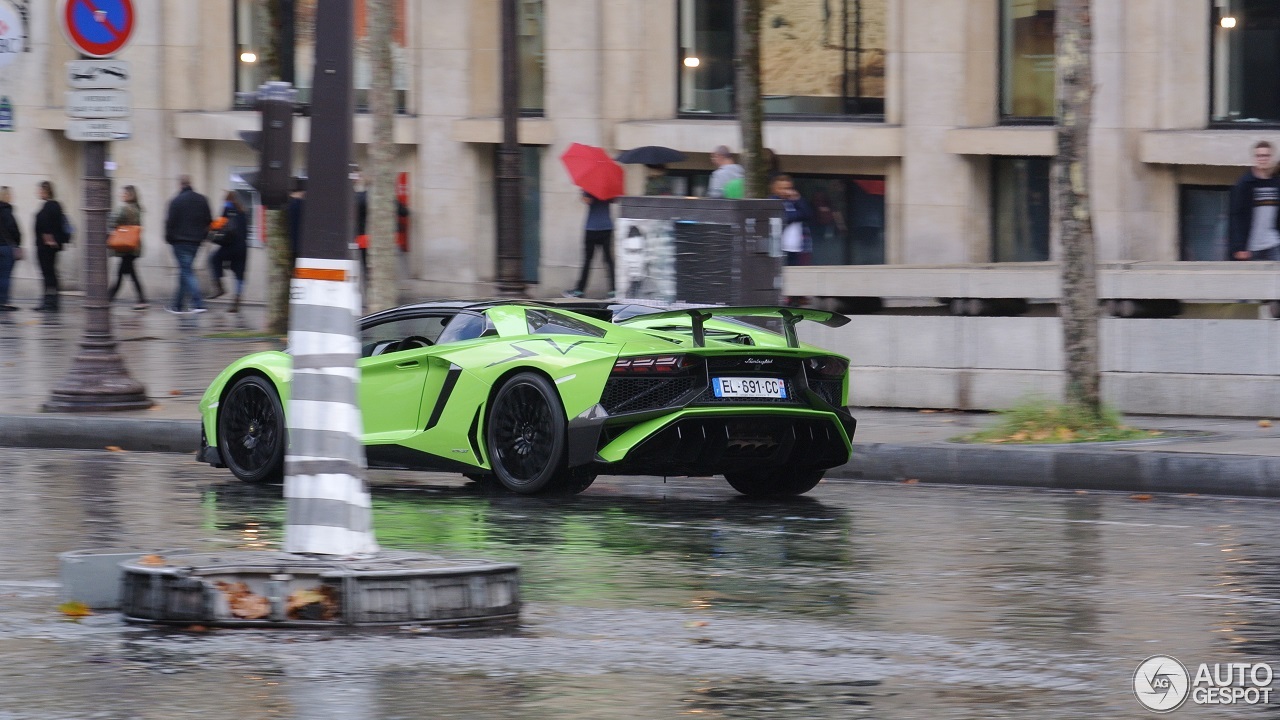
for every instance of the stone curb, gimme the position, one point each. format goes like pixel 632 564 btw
pixel 70 432
pixel 1067 468
pixel 1122 468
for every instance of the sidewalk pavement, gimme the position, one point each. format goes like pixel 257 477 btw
pixel 176 356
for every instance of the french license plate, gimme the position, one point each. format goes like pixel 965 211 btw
pixel 741 387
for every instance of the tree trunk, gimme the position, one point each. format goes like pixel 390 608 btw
pixel 279 273
pixel 750 110
pixel 382 285
pixel 1072 214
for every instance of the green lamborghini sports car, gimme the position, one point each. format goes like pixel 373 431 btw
pixel 541 397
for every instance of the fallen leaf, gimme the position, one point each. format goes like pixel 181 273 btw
pixel 1141 498
pixel 910 481
pixel 243 603
pixel 318 603
pixel 74 608
pixel 114 448
pixel 1264 423
pixel 175 392
pixel 152 560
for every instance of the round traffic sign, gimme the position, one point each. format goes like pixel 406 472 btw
pixel 97 28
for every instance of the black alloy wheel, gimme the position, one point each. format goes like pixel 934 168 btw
pixel 526 434
pixel 775 482
pixel 251 431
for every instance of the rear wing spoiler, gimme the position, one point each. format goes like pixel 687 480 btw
pixel 790 316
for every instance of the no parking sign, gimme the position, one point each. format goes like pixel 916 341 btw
pixel 97 28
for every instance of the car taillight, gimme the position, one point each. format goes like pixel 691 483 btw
pixel 651 365
pixel 826 367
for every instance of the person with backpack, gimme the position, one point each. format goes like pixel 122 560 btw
pixel 52 232
pixel 231 235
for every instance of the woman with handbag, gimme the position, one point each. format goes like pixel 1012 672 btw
pixel 10 247
pixel 231 235
pixel 126 242
pixel 51 234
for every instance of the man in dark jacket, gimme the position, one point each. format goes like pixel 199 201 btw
pixel 10 242
pixel 185 227
pixel 1255 210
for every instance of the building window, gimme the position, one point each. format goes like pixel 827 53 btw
pixel 530 207
pixel 1020 209
pixel 275 39
pixel 532 57
pixel 1027 60
pixel 1202 222
pixel 1246 61
pixel 817 57
pixel 848 218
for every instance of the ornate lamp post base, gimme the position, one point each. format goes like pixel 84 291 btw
pixel 98 379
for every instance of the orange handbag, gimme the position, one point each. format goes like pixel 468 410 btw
pixel 125 238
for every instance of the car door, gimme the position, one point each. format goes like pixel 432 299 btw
pixel 394 367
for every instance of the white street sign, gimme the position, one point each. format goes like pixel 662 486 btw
pixel 98 103
pixel 98 130
pixel 98 74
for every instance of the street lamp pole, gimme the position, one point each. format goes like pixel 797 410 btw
pixel 510 195
pixel 97 379
pixel 329 508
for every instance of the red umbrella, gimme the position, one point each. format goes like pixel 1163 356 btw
pixel 593 170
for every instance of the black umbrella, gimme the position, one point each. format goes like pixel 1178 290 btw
pixel 651 155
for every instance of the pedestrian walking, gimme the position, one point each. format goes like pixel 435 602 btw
pixel 1254 223
pixel 232 240
pixel 186 226
pixel 52 231
pixel 597 233
pixel 128 214
pixel 726 169
pixel 10 246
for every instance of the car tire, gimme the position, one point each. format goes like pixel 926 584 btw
pixel 526 434
pixel 778 482
pixel 251 430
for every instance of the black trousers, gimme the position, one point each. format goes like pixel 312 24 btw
pixel 127 268
pixel 591 240
pixel 47 255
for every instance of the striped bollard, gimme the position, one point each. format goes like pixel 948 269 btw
pixel 328 503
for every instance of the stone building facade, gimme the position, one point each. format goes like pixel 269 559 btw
pixel 922 128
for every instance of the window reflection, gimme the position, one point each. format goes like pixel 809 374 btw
pixel 817 57
pixel 1246 61
pixel 1027 62
pixel 266 42
pixel 1020 209
pixel 1202 222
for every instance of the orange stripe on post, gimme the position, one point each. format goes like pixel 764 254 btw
pixel 305 273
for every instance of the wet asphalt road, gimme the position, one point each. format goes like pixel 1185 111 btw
pixel 647 599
